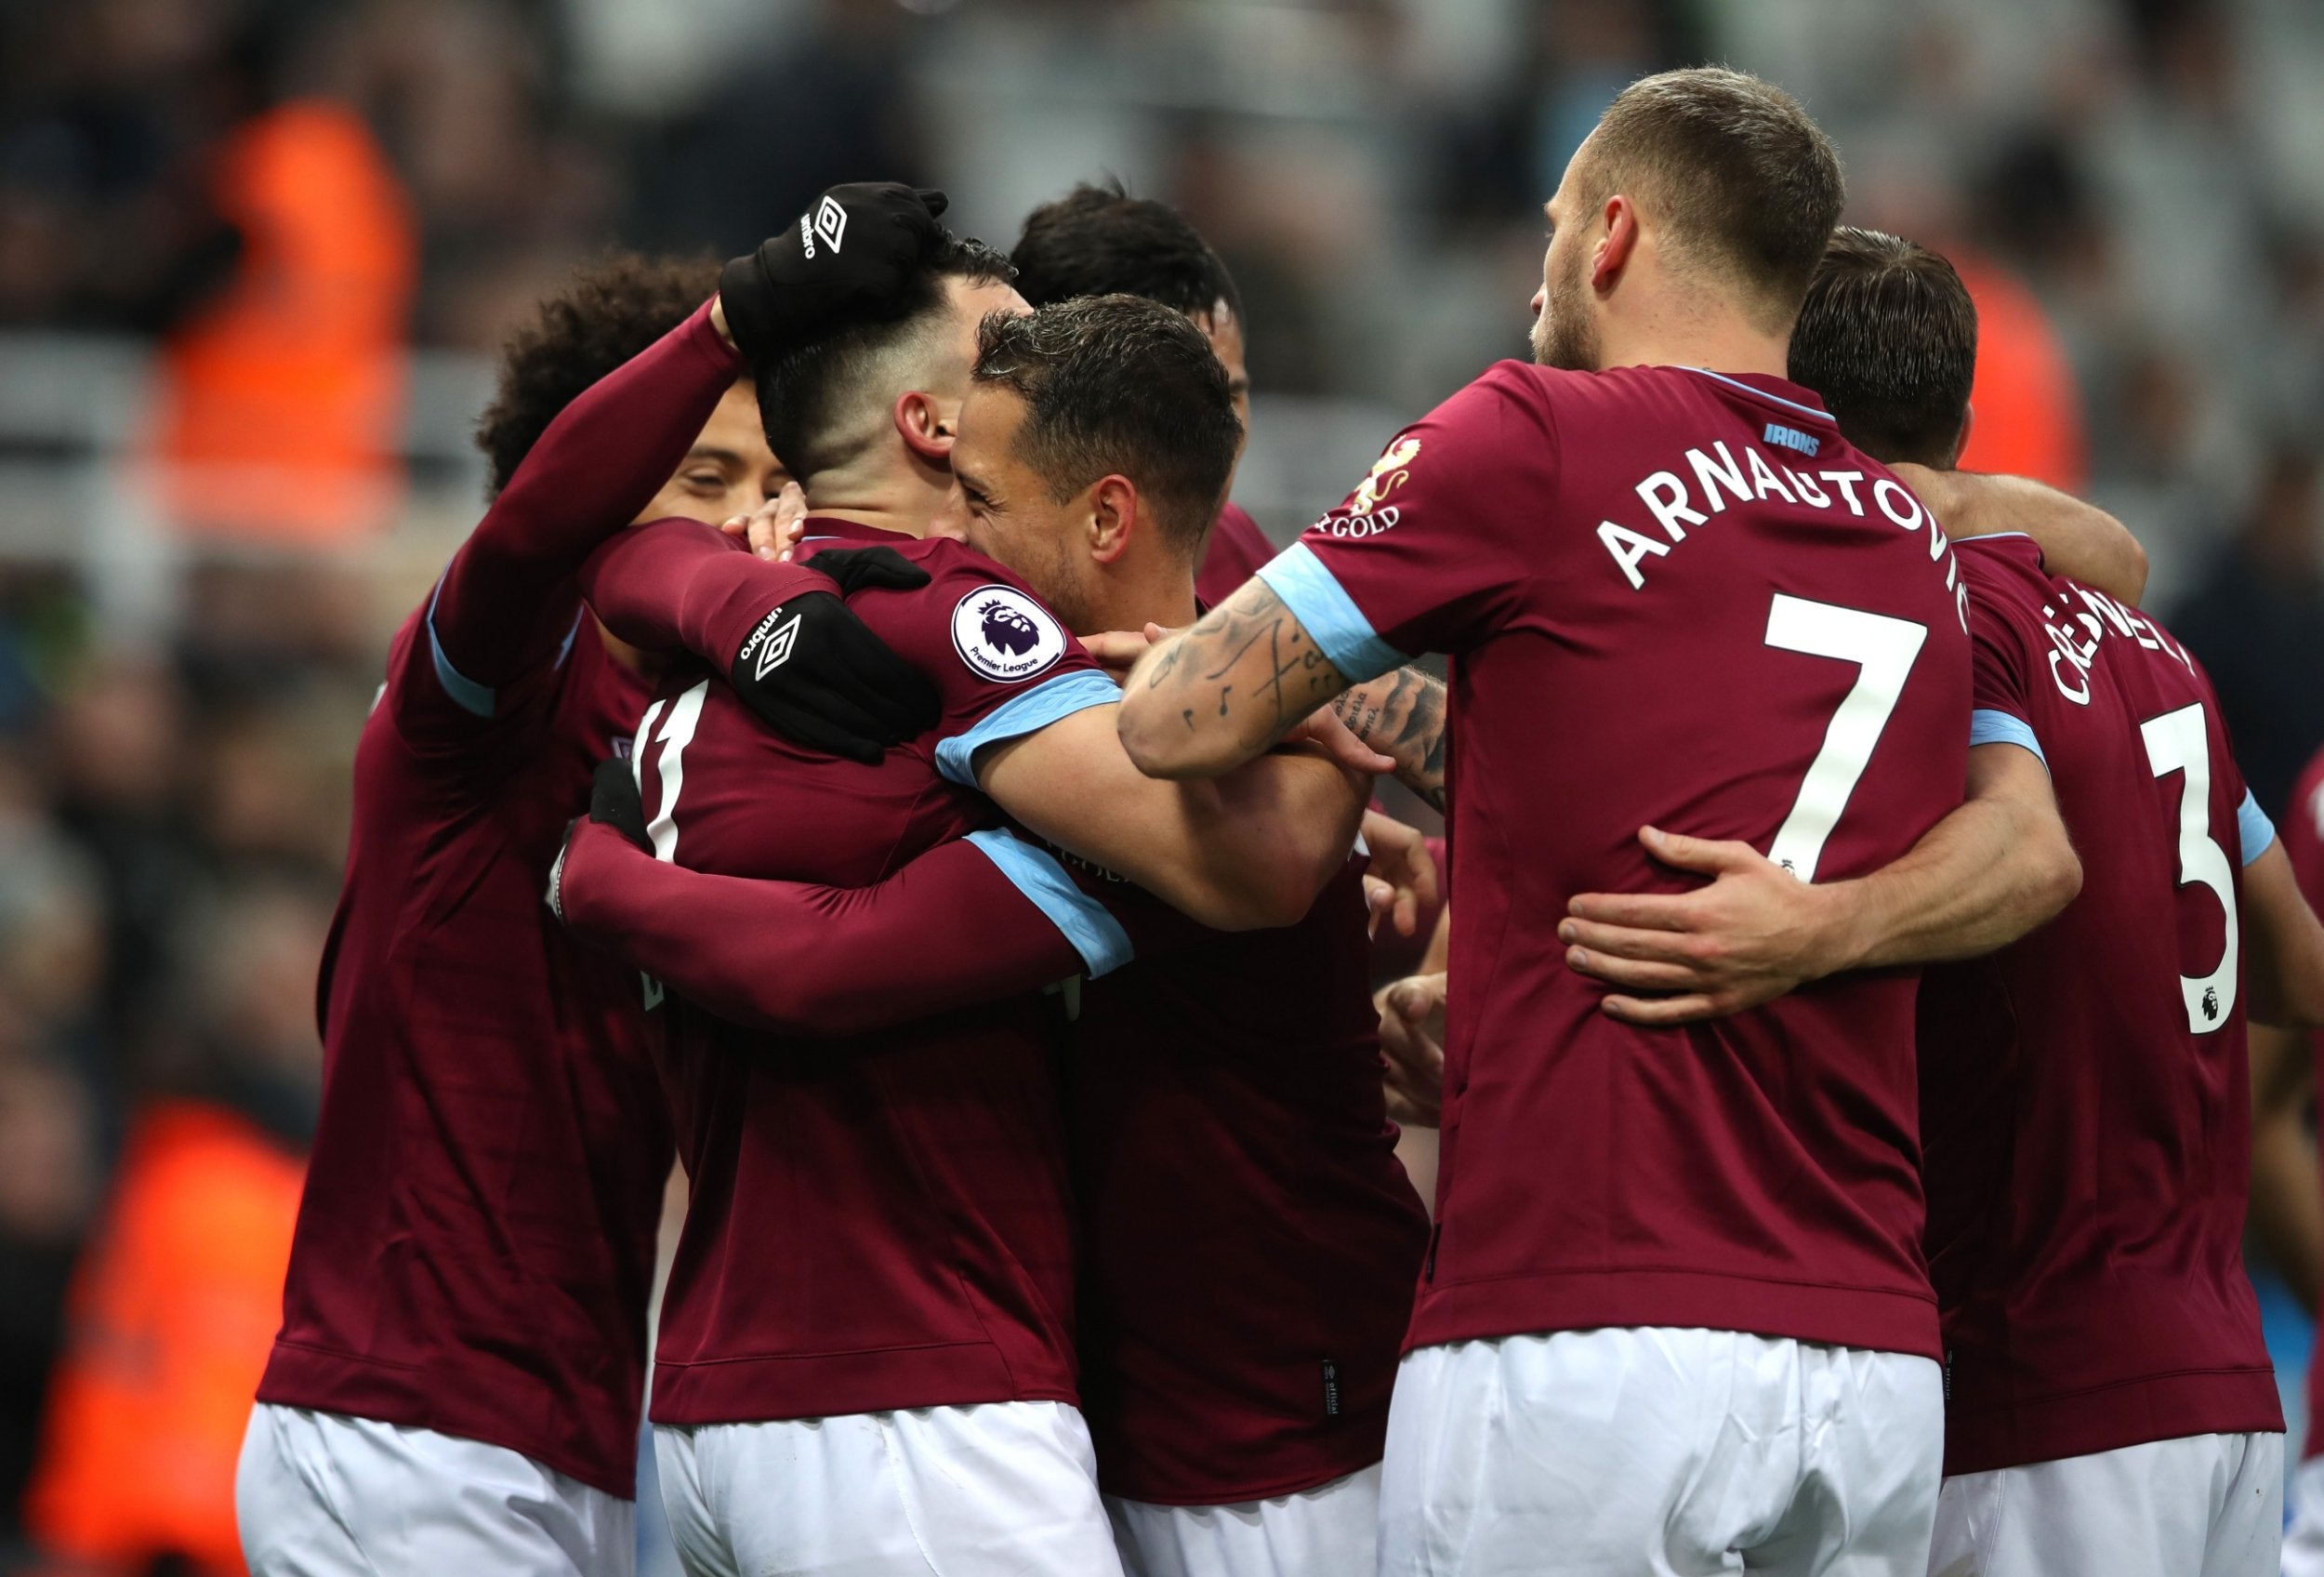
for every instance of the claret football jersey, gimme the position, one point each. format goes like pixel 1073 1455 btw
pixel 2303 841
pixel 881 1222
pixel 1249 1238
pixel 2085 1099
pixel 475 1243
pixel 1677 598
pixel 1233 555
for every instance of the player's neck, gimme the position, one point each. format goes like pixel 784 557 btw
pixel 1159 593
pixel 1716 341
pixel 893 500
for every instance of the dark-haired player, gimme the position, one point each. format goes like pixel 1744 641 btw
pixel 2111 1407
pixel 1249 1240
pixel 1101 241
pixel 1674 1315
pixel 865 1358
pixel 456 1382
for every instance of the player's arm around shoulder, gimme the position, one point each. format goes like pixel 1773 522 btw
pixel 1244 852
pixel 1984 875
pixel 2078 540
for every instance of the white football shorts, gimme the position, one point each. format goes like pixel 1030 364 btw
pixel 2204 1505
pixel 323 1495
pixel 2304 1540
pixel 1663 1450
pixel 1327 1531
pixel 998 1490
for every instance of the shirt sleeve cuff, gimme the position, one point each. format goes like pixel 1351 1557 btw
pixel 1328 614
pixel 1085 922
pixel 2255 830
pixel 1021 715
pixel 470 696
pixel 1989 727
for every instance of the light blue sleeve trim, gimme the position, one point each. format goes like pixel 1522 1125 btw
pixel 2252 827
pixel 1330 616
pixel 1028 713
pixel 1087 924
pixel 479 698
pixel 1988 726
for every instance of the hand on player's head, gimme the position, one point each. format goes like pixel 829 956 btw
pixel 848 258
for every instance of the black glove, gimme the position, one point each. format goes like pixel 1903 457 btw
pixel 816 675
pixel 613 800
pixel 846 260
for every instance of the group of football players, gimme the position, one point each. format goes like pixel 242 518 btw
pixel 956 838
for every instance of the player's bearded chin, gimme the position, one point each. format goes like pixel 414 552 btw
pixel 1564 336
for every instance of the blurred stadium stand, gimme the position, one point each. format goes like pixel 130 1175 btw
pixel 2137 182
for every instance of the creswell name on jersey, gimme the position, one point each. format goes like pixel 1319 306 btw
pixel 2076 636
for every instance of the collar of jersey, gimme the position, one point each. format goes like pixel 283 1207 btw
pixel 1816 412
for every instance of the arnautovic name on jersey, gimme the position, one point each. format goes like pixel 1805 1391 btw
pixel 1718 479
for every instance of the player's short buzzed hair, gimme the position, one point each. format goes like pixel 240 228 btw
pixel 1747 186
pixel 1101 241
pixel 807 397
pixel 1888 336
pixel 1119 385
pixel 608 312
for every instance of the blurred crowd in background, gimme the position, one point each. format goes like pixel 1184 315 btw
pixel 254 253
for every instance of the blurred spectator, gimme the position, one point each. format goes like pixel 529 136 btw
pixel 179 1294
pixel 2256 621
pixel 48 1182
pixel 749 158
pixel 282 391
pixel 2026 412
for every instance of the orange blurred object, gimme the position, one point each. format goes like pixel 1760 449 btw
pixel 2027 407
pixel 283 399
pixel 172 1313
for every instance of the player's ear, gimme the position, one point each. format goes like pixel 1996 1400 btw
pixel 927 429
pixel 1613 253
pixel 1114 518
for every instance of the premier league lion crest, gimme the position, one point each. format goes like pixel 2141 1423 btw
pixel 1005 635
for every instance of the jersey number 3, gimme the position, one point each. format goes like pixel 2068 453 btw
pixel 1883 649
pixel 2178 742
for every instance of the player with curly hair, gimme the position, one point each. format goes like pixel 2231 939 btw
pixel 456 1382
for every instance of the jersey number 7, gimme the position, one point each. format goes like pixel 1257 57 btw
pixel 1883 649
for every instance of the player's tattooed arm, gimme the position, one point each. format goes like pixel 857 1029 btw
pixel 1401 714
pixel 1214 695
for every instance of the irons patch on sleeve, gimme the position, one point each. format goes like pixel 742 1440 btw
pixel 1005 635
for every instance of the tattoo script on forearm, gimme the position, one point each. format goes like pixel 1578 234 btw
pixel 1245 666
pixel 1402 715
